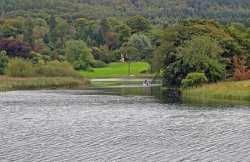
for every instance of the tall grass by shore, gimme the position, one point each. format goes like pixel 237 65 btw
pixel 224 90
pixel 10 84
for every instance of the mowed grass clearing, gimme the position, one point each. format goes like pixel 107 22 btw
pixel 119 70
pixel 239 90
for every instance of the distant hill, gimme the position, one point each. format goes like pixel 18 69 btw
pixel 160 11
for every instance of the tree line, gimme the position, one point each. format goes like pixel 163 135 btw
pixel 161 12
pixel 199 50
pixel 203 49
pixel 82 42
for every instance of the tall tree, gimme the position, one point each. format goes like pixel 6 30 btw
pixel 138 24
pixel 62 30
pixel 28 34
pixel 79 54
pixel 141 43
pixel 130 54
pixel 52 29
pixel 104 28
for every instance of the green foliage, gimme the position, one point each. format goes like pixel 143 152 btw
pixel 81 21
pixel 129 52
pixel 105 55
pixel 79 54
pixel 45 26
pixel 3 61
pixel 197 52
pixel 162 12
pixel 174 73
pixel 44 58
pixel 165 53
pixel 52 27
pixel 138 24
pixel 96 53
pixel 216 71
pixel 62 30
pixel 99 64
pixel 201 53
pixel 155 37
pixel 105 28
pixel 141 43
pixel 198 46
pixel 18 67
pixel 28 34
pixel 194 80
pixel 55 69
pixel 239 26
pixel 7 31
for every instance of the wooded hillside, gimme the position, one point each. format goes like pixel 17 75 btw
pixel 160 11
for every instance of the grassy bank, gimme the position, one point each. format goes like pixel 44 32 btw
pixel 224 90
pixel 119 70
pixel 10 84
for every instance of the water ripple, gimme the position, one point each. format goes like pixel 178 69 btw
pixel 40 126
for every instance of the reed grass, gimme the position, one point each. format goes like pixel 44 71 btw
pixel 10 84
pixel 238 90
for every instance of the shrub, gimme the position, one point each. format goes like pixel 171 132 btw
pixel 55 69
pixel 3 61
pixel 105 55
pixel 194 79
pixel 96 52
pixel 18 67
pixel 215 71
pixel 99 64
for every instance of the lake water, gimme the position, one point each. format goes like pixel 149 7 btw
pixel 120 124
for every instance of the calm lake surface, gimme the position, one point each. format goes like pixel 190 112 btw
pixel 126 124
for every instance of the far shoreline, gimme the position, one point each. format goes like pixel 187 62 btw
pixel 39 83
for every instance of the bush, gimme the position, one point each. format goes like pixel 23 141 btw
pixel 215 71
pixel 194 79
pixel 99 64
pixel 55 69
pixel 3 61
pixel 18 67
pixel 79 54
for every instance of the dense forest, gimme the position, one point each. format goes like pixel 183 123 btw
pixel 163 12
pixel 52 35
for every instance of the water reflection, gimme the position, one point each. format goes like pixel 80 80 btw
pixel 163 95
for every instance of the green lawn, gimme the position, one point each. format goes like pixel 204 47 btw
pixel 118 70
pixel 224 90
